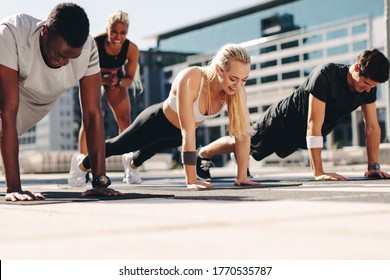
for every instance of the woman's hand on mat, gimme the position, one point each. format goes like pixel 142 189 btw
pixel 245 182
pixel 330 177
pixel 376 174
pixel 23 196
pixel 196 185
pixel 101 192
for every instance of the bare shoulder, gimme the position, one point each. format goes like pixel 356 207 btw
pixel 133 51
pixel 133 46
pixel 190 73
pixel 188 78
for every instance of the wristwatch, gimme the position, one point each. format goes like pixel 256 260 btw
pixel 374 166
pixel 101 181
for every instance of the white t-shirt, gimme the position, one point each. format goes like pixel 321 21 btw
pixel 39 85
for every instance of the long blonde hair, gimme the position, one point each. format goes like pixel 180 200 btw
pixel 239 125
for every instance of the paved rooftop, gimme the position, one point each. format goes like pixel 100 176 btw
pixel 289 217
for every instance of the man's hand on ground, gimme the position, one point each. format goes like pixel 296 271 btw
pixel 101 192
pixel 376 174
pixel 23 196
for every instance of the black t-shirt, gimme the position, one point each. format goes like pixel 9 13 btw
pixel 328 83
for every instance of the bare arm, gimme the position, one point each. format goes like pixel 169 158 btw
pixel 93 122
pixel 131 65
pixel 373 132
pixel 315 120
pixel 187 87
pixel 94 129
pixel 9 104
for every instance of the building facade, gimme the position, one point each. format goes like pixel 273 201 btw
pixel 56 131
pixel 286 40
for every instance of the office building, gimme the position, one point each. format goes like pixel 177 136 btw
pixel 286 40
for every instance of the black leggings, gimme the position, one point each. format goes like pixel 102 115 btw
pixel 149 134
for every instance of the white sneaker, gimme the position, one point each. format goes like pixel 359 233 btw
pixel 76 175
pixel 132 175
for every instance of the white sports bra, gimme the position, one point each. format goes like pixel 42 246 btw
pixel 171 101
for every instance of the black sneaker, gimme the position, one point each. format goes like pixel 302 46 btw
pixel 203 168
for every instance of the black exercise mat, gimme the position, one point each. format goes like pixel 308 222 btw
pixel 367 179
pixel 262 186
pixel 232 178
pixel 230 186
pixel 67 197
pixel 352 180
pixel 227 179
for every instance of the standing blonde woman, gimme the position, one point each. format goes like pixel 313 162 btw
pixel 197 94
pixel 118 59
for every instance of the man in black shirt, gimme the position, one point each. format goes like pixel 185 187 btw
pixel 300 121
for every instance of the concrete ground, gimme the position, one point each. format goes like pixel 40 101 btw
pixel 290 217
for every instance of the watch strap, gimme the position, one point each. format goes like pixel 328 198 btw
pixel 101 181
pixel 374 166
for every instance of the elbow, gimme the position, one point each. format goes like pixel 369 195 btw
pixel 373 130
pixel 8 116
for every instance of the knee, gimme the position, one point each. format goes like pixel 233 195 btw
pixel 230 142
pixel 124 118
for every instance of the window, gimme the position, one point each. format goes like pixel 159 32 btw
pixel 266 107
pixel 269 79
pixel 251 82
pixel 313 55
pixel 268 63
pixel 359 46
pixel 196 64
pixel 291 44
pixel 268 49
pixel 359 29
pixel 317 38
pixel 337 34
pixel 338 50
pixel 290 75
pixel 307 71
pixel 290 59
pixel 168 74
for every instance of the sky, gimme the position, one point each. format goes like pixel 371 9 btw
pixel 147 17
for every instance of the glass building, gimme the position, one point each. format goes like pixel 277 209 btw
pixel 265 19
pixel 286 40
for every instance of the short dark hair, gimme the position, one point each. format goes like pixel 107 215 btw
pixel 69 21
pixel 374 65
